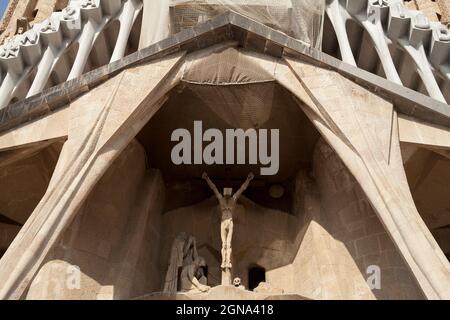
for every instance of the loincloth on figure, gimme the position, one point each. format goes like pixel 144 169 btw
pixel 227 215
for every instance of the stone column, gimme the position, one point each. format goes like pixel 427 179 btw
pixel 155 22
pixel 101 124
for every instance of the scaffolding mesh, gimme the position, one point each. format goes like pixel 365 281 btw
pixel 301 19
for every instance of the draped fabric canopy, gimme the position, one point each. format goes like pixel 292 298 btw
pixel 301 19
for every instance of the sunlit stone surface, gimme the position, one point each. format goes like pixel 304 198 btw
pixel 92 205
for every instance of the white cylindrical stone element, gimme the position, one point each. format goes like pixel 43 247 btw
pixel 127 18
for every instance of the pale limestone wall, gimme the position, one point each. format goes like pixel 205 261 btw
pixel 363 130
pixel 24 182
pixel 435 10
pixel 348 218
pixel 46 7
pixel 113 240
pixel 428 175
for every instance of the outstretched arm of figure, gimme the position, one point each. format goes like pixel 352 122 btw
pixel 237 195
pixel 212 186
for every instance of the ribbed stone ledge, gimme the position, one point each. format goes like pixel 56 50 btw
pixel 250 34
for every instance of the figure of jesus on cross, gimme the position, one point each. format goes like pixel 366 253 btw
pixel 227 203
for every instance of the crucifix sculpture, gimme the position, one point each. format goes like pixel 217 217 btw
pixel 227 202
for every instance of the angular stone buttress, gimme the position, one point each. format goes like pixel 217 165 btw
pixel 88 161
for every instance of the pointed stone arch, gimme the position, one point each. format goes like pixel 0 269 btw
pixel 101 125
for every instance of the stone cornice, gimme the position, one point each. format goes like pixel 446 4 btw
pixel 251 35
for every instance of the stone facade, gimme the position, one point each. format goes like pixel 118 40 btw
pixel 110 241
pixel 434 10
pixel 93 206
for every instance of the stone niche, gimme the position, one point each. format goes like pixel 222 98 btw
pixel 321 249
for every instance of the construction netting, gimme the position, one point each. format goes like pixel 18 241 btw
pixel 301 19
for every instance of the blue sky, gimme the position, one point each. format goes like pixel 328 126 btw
pixel 3 4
